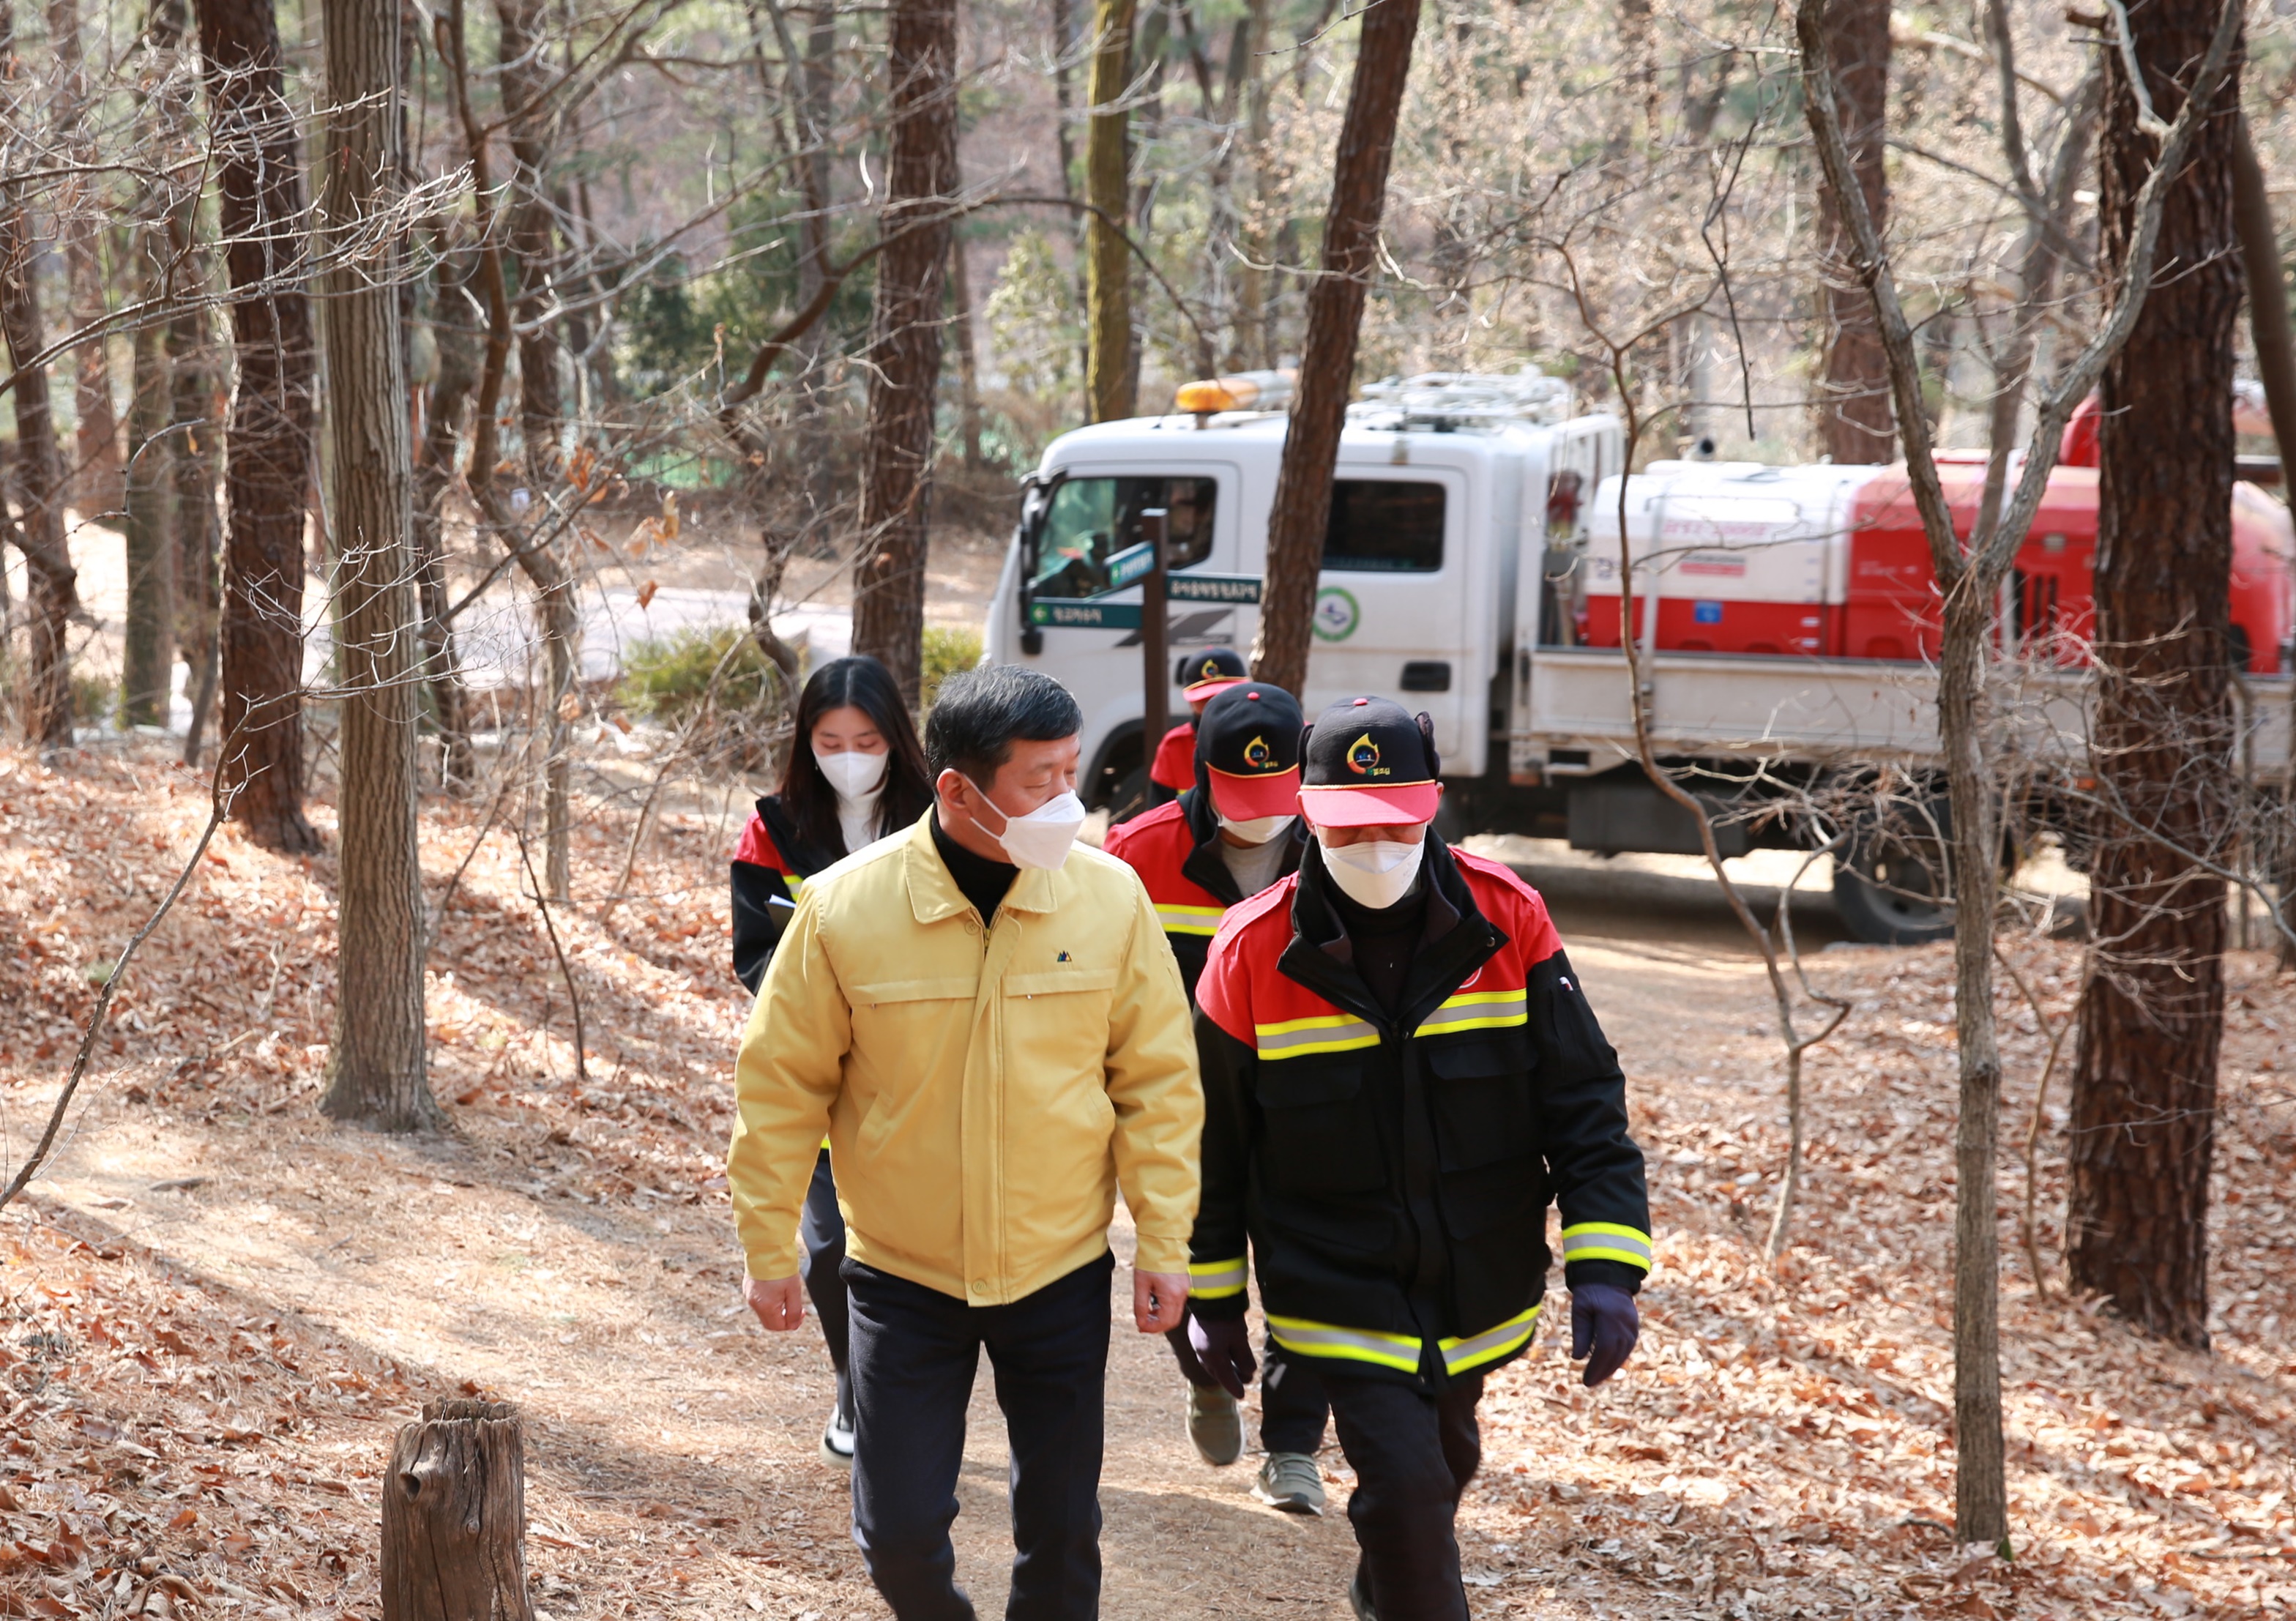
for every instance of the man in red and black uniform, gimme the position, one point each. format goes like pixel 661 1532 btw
pixel 1235 831
pixel 1400 1073
pixel 1203 676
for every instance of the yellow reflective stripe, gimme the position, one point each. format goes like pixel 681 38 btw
pixel 1491 1344
pixel 1477 1011
pixel 795 883
pixel 1295 1334
pixel 1215 1280
pixel 1190 919
pixel 1606 1242
pixel 1325 1033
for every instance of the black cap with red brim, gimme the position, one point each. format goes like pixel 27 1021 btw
pixel 1207 673
pixel 1370 763
pixel 1247 744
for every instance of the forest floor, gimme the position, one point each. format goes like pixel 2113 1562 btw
pixel 217 1308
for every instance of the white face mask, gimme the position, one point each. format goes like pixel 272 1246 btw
pixel 1257 830
pixel 853 774
pixel 1377 874
pixel 1042 838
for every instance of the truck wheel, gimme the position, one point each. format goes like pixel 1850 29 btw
pixel 1887 895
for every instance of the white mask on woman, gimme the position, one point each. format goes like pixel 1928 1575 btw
pixel 1042 838
pixel 852 772
pixel 1375 875
pixel 1256 830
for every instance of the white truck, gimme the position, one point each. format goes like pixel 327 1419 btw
pixel 1466 544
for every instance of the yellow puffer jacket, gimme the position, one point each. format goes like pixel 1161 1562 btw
pixel 983 1094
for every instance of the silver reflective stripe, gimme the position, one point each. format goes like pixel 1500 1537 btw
pixel 1462 1013
pixel 1491 1342
pixel 1225 1278
pixel 1345 1032
pixel 1605 1240
pixel 1398 1351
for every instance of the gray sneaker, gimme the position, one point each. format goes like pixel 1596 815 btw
pixel 1359 1597
pixel 1291 1481
pixel 837 1441
pixel 1215 1424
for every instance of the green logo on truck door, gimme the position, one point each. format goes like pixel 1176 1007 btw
pixel 1337 613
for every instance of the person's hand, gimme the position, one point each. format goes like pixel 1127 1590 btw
pixel 1223 1348
pixel 1603 1329
pixel 778 1302
pixel 1160 1300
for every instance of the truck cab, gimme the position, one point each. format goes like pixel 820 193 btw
pixel 1443 505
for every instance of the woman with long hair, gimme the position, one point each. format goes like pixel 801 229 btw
pixel 856 773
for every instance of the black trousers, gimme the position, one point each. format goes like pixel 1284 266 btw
pixel 914 1355
pixel 1292 1406
pixel 823 1230
pixel 1413 1454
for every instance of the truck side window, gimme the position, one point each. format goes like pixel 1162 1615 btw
pixel 1091 520
pixel 1383 526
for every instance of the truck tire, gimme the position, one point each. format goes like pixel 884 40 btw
pixel 1885 895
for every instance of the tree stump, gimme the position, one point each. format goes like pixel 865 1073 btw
pixel 454 1517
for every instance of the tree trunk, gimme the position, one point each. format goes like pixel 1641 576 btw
pixel 1854 419
pixel 1302 508
pixel 375 1065
pixel 454 1517
pixel 96 483
pixel 434 474
pixel 2144 1074
pixel 904 358
pixel 968 368
pixel 39 491
pixel 147 659
pixel 267 449
pixel 1109 383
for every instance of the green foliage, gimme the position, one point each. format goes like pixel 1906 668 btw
pixel 94 699
pixel 668 678
pixel 948 648
pixel 1034 323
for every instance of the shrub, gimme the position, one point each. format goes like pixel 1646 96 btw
pixel 671 679
pixel 94 699
pixel 948 648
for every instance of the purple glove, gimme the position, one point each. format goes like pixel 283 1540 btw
pixel 1223 1347
pixel 1603 1321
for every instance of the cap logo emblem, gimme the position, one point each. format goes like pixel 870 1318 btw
pixel 1258 755
pixel 1363 757
pixel 1208 668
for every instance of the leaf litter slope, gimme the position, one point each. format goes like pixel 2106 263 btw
pixel 214 1313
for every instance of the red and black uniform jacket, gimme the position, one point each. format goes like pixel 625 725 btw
pixel 1392 1173
pixel 772 862
pixel 1174 763
pixel 1176 850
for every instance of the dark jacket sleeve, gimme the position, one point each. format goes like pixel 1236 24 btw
pixel 757 923
pixel 1594 1167
pixel 1217 1250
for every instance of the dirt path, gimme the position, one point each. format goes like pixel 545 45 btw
pixel 206 1377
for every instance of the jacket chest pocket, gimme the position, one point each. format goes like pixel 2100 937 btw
pixel 1481 1088
pixel 1056 1025
pixel 912 1016
pixel 1319 1134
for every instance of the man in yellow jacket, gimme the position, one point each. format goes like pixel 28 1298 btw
pixel 989 1027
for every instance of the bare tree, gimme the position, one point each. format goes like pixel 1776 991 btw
pixel 1110 383
pixel 904 354
pixel 2144 1066
pixel 96 481
pixel 39 481
pixel 1970 577
pixel 267 446
pixel 376 1069
pixel 1853 414
pixel 1302 508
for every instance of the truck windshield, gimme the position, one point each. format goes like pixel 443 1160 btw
pixel 1089 521
pixel 1384 526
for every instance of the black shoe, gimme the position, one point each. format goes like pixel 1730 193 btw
pixel 1359 1597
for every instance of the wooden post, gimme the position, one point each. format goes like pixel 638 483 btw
pixel 1155 677
pixel 454 1517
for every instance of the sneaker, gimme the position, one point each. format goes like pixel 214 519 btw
pixel 1215 1424
pixel 837 1435
pixel 1359 1597
pixel 1291 1481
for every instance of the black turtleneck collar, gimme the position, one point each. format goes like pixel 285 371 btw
pixel 983 882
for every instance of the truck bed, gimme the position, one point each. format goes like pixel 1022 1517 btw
pixel 1826 711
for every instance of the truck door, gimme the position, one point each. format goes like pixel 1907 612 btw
pixel 1391 615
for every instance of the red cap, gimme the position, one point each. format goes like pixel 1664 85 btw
pixel 1247 798
pixel 1370 765
pixel 1204 691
